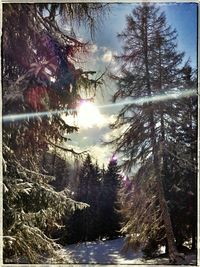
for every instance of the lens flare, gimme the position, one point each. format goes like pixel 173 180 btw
pixel 139 101
pixel 156 98
pixel 26 116
pixel 114 158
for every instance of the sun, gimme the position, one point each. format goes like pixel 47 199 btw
pixel 89 115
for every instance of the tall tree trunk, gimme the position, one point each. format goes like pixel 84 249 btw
pixel 173 254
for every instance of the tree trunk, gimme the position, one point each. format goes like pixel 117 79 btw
pixel 166 219
pixel 175 257
pixel 173 254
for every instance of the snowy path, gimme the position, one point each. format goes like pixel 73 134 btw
pixel 103 253
pixel 109 252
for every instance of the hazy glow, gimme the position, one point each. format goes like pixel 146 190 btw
pixel 89 114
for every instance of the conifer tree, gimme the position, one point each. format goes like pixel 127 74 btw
pixel 109 217
pixel 150 65
pixel 84 223
pixel 55 165
pixel 181 152
pixel 39 76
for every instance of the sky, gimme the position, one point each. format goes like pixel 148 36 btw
pixel 94 130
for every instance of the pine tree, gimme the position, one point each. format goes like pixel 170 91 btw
pixel 39 75
pixel 84 224
pixel 56 165
pixel 150 65
pixel 109 217
pixel 29 213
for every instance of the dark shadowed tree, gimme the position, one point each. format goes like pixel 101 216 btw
pixel 108 206
pixel 55 165
pixel 84 225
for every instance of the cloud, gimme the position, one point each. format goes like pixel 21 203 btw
pixel 91 140
pixel 111 135
pixel 101 153
pixel 93 48
pixel 107 56
pixel 70 120
pixel 104 48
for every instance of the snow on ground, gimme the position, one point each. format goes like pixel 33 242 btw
pixel 109 252
pixel 103 252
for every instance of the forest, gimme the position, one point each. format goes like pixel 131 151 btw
pixel 54 195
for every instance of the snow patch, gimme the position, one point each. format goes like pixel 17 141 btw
pixel 103 252
pixel 110 252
